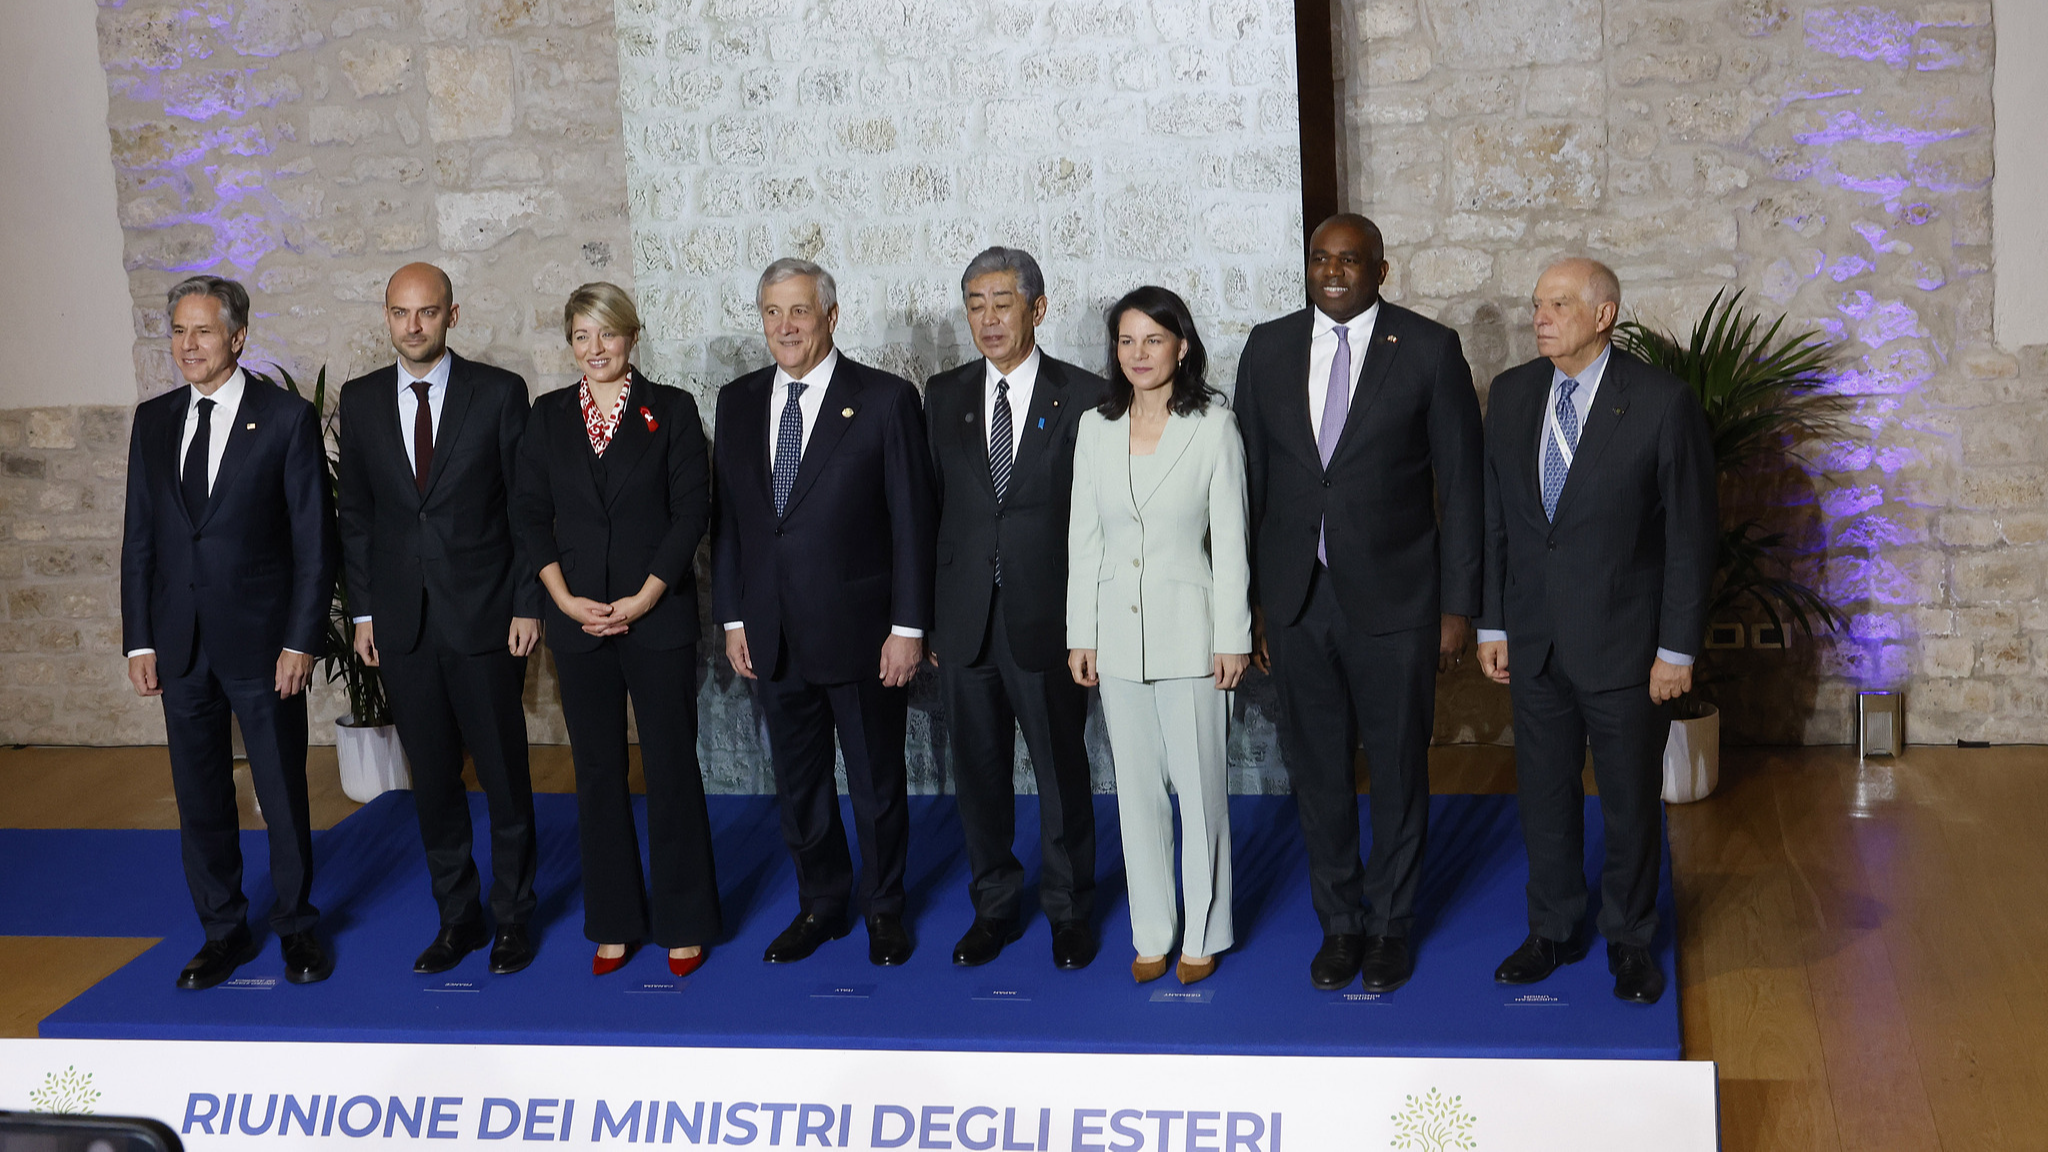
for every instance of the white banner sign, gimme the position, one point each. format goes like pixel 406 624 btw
pixel 240 1097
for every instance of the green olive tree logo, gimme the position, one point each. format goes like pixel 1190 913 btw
pixel 1434 1122
pixel 69 1091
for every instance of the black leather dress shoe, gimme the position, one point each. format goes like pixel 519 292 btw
pixel 1537 958
pixel 804 936
pixel 448 949
pixel 511 949
pixel 1637 978
pixel 217 960
pixel 1386 964
pixel 1073 945
pixel 984 941
pixel 889 942
pixel 306 961
pixel 1336 961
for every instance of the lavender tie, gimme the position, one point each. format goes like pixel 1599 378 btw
pixel 1336 406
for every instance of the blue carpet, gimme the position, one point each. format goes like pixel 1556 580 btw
pixel 371 885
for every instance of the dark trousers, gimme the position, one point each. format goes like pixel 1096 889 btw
pixel 986 703
pixel 684 880
pixel 197 709
pixel 443 701
pixel 1554 723
pixel 1340 687
pixel 870 721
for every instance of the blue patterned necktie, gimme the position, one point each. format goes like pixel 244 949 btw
pixel 999 452
pixel 789 445
pixel 1555 466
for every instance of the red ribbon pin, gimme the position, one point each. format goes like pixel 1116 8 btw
pixel 652 424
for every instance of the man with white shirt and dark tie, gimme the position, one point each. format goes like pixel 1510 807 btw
pixel 227 570
pixel 1600 540
pixel 822 576
pixel 447 606
pixel 1362 455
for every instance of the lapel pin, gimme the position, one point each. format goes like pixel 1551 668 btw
pixel 846 412
pixel 652 424
pixel 250 426
pixel 1393 339
pixel 1041 421
pixel 1055 403
pixel 1617 412
pixel 970 417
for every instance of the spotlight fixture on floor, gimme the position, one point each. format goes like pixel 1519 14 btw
pixel 1880 723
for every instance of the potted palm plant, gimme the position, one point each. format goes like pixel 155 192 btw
pixel 1764 392
pixel 365 740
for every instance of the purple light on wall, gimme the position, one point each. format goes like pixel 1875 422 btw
pixel 1850 501
pixel 1861 33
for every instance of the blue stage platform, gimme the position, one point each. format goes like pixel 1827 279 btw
pixel 371 885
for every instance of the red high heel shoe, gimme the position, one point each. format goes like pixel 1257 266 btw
pixel 606 965
pixel 686 965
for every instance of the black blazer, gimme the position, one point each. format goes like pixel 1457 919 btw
pixel 1628 565
pixel 454 545
pixel 1403 494
pixel 852 553
pixel 256 572
pixel 1029 526
pixel 647 520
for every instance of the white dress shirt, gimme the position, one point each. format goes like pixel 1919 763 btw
pixel 409 403
pixel 1322 352
pixel 1022 380
pixel 436 380
pixel 1582 403
pixel 809 404
pixel 227 401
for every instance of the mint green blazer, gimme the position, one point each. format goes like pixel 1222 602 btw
pixel 1158 581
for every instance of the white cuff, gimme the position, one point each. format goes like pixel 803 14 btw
pixel 735 625
pixel 907 633
pixel 359 619
pixel 1492 636
pixel 1670 657
pixel 296 652
pixel 142 652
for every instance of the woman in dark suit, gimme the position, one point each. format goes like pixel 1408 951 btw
pixel 614 496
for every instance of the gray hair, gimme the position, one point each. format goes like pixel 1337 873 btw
pixel 1030 280
pixel 791 267
pixel 233 298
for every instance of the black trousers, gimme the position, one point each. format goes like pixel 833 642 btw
pixel 684 879
pixel 444 700
pixel 986 703
pixel 1341 687
pixel 197 709
pixel 870 721
pixel 1554 723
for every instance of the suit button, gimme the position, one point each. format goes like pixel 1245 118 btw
pixel 195 536
pixel 1552 545
pixel 1134 607
pixel 778 531
pixel 423 517
pixel 1136 563
pixel 1326 482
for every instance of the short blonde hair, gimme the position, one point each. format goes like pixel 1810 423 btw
pixel 605 303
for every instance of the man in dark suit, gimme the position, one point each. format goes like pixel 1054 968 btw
pixel 1362 448
pixel 1002 431
pixel 1600 539
pixel 227 571
pixel 445 603
pixel 822 575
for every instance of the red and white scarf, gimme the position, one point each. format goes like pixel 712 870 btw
pixel 600 425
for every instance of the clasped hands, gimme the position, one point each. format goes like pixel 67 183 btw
pixel 601 619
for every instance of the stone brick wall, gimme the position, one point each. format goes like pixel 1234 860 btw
pixel 1835 161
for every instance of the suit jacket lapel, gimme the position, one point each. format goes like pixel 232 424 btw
pixel 1041 420
pixel 1173 444
pixel 168 438
pixel 1609 405
pixel 241 434
pixel 836 413
pixel 454 406
pixel 630 440
pixel 572 447
pixel 1289 399
pixel 1381 348
pixel 974 437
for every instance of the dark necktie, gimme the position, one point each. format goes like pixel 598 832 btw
pixel 193 480
pixel 1555 466
pixel 999 453
pixel 422 437
pixel 789 445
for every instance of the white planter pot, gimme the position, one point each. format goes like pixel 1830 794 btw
pixel 372 761
pixel 1692 758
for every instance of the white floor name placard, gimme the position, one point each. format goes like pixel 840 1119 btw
pixel 240 1097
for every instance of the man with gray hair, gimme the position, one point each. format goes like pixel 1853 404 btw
pixel 227 568
pixel 1600 538
pixel 822 574
pixel 1002 431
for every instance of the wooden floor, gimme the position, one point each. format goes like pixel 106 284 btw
pixel 1864 945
